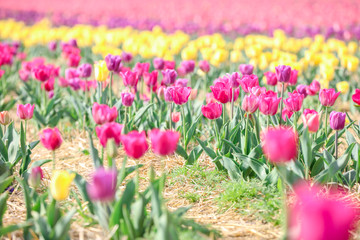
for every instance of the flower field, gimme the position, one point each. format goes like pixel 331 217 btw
pixel 180 122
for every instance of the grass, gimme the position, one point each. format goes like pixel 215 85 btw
pixel 251 198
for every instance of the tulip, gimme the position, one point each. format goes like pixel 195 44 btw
pixel 328 97
pixel 270 78
pixel 127 99
pixel 283 73
pixel 164 142
pixel 257 91
pixel 51 138
pixel 293 77
pixel 71 73
pixel 168 94
pixel 35 177
pixel 103 185
pixel 52 45
pixel 279 144
pixel 25 112
pixel 286 114
pixel 84 70
pixel 41 73
pixel 135 144
pixel 294 102
pixel 234 79
pixel 169 65
pixel 60 184
pixel 212 110
pixel 73 60
pixel 181 82
pixel 310 119
pixel 102 113
pixel 302 89
pixel 343 87
pixel 169 76
pixel 126 57
pixel 141 68
pixel 204 66
pixel 222 92
pixel 318 216
pixel 250 103
pixel 210 98
pixel 158 63
pixel 150 79
pixel 356 97
pixel 246 69
pixel 180 95
pixel 269 103
pixel 48 85
pixel 113 62
pixel 193 94
pixel 4 118
pixel 161 92
pixel 24 75
pixel 175 117
pixel 101 71
pixel 188 65
pixel 337 120
pixel 130 79
pixel 110 130
pixel 313 88
pixel 249 81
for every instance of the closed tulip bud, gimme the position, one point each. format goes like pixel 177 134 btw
pixel 193 94
pixel 188 65
pixel 343 87
pixel 279 144
pixel 356 97
pixel 41 73
pixel 249 81
pixel 24 75
pixel 158 63
pixel 293 77
pixel 164 142
pixel 269 103
pixel 101 71
pixel 311 120
pixel 286 114
pixel 109 131
pixel 73 60
pixel 51 138
pixel 328 97
pixel 111 148
pixel 204 66
pixel 175 117
pixel 294 102
pixel 313 88
pixel 25 112
pixel 212 110
pixel 141 68
pixel 337 120
pixel 113 62
pixel 181 82
pixel 126 57
pixel 250 103
pixel 283 73
pixel 160 92
pixel 135 144
pixel 102 113
pixel 5 118
pixel 169 76
pixel 302 89
pixel 60 184
pixel 130 79
pixel 180 95
pixel 35 177
pixel 48 85
pixel 234 79
pixel 103 185
pixel 246 69
pixel 150 79
pixel 84 70
pixel 168 94
pixel 127 99
pixel 223 92
pixel 270 78
pixel 73 43
pixel 52 45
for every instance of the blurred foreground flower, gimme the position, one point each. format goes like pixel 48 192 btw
pixel 60 184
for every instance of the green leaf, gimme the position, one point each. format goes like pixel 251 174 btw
pixel 181 151
pixel 138 210
pixel 39 163
pixel 63 225
pixel 207 150
pixel 6 183
pixel 128 223
pixel 3 198
pixel 232 168
pixel 81 185
pixel 191 131
pixel 305 144
pixel 94 153
pixel 194 155
pixel 139 114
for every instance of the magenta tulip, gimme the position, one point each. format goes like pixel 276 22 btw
pixel 84 70
pixel 103 185
pixel 113 62
pixel 294 102
pixel 212 110
pixel 246 69
pixel 110 130
pixel 356 97
pixel 328 97
pixel 293 77
pixel 168 94
pixel 311 120
pixel 286 114
pixel 126 57
pixel 41 73
pixel 249 81
pixel 270 78
pixel 158 63
pixel 135 144
pixel 175 117
pixel 51 138
pixel 222 92
pixel 130 79
pixel 180 95
pixel 35 177
pixel 313 88
pixel 250 103
pixel 25 112
pixel 150 79
pixel 269 103
pixel 102 113
pixel 204 66
pixel 169 76
pixel 127 98
pixel 181 82
pixel 164 142
pixel 141 68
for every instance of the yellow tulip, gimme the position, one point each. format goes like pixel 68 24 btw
pixel 101 71
pixel 60 184
pixel 189 53
pixel 235 56
pixel 343 87
pixel 352 64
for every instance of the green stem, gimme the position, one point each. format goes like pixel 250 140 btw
pixel 232 103
pixel 246 134
pixel 268 121
pixel 110 89
pixel 326 123
pixel 110 162
pixel 224 114
pixel 25 131
pixel 281 102
pixel 295 121
pixel 100 92
pixel 183 123
pixel 336 144
pixel 216 134
pixel 170 120
pixel 54 162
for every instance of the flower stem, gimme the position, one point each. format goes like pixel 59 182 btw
pixel 183 123
pixel 326 123
pixel 224 114
pixel 54 162
pixel 281 102
pixel 336 145
pixel 170 121
pixel 268 121
pixel 246 134
pixel 110 89
pixel 25 130
pixel 232 103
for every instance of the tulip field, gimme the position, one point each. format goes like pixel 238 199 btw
pixel 180 120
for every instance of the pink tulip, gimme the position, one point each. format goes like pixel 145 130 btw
pixel 250 103
pixel 110 130
pixel 356 97
pixel 286 114
pixel 51 138
pixel 41 73
pixel 141 68
pixel 25 112
pixel 269 103
pixel 294 102
pixel 71 73
pixel 127 98
pixel 126 57
pixel 210 98
pixel 169 65
pixel 164 142
pixel 180 95
pixel 188 65
pixel 102 113
pixel 212 110
pixel 158 63
pixel 204 66
pixel 175 117
pixel 130 79
pixel 168 94
pixel 223 92
pixel 169 76
pixel 35 177
pixel 246 69
pixel 103 185
pixel 73 60
pixel 302 89
pixel 328 97
pixel 249 81
pixel 313 88
pixel 113 62
pixel 321 216
pixel 310 119
pixel 293 77
pixel 270 78
pixel 135 144
pixel 150 79
pixel 24 75
pixel 181 82
pixel 279 144
pixel 48 85
pixel 257 91
pixel 234 79
pixel 283 73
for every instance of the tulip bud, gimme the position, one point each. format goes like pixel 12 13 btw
pixel 60 184
pixel 111 148
pixel 328 97
pixel 103 185
pixel 135 144
pixel 246 69
pixel 52 45
pixel 51 138
pixel 84 70
pixel 283 73
pixel 164 142
pixel 26 111
pixel 158 63
pixel 101 71
pixel 5 118
pixel 113 62
pixel 175 117
pixel 204 66
pixel 310 119
pixel 337 120
pixel 356 97
pixel 35 177
pixel 127 98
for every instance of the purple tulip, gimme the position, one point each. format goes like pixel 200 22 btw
pixel 158 63
pixel 103 185
pixel 113 62
pixel 337 120
pixel 84 70
pixel 169 76
pixel 283 73
pixel 127 98
pixel 246 69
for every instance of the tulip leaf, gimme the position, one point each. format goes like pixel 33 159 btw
pixel 139 113
pixel 305 144
pixel 63 225
pixel 232 168
pixel 138 210
pixel 39 163
pixel 81 185
pixel 6 182
pixel 231 144
pixel 194 155
pixel 181 151
pixel 3 198
pixel 191 131
pixel 128 223
pixel 94 153
pixel 208 150
pixel 3 151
